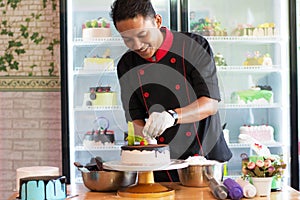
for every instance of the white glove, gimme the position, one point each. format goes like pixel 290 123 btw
pixel 157 124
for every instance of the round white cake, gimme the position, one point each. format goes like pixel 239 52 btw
pixel 264 133
pixel 24 172
pixel 152 154
pixel 92 33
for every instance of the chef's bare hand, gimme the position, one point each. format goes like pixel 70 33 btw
pixel 157 124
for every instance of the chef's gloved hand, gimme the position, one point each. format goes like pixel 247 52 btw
pixel 157 124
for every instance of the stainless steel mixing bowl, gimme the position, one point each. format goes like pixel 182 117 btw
pixel 196 175
pixel 102 181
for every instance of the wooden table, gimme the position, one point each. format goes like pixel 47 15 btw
pixel 80 192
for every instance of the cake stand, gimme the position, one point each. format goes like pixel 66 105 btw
pixel 146 187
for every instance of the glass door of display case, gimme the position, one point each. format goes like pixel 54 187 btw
pixel 251 49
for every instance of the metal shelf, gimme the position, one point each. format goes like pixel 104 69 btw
pixel 100 148
pixel 244 145
pixel 80 71
pixel 250 68
pixel 99 108
pixel 111 41
pixel 255 39
pixel 240 106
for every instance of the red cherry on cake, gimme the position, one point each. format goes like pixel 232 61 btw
pixel 142 143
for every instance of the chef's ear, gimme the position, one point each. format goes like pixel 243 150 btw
pixel 158 20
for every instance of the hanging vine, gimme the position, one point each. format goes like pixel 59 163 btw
pixel 15 33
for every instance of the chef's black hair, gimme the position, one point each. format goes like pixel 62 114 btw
pixel 128 9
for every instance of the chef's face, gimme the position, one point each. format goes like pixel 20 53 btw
pixel 141 35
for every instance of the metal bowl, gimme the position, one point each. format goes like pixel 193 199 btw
pixel 102 181
pixel 198 175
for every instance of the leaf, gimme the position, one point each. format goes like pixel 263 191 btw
pixel 4 22
pixel 4 32
pixel 20 51
pixel 34 35
pixel 259 172
pixel 14 65
pixel 131 138
pixel 32 66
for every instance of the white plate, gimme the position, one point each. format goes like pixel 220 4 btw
pixel 117 165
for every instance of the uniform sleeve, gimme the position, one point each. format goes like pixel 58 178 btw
pixel 203 74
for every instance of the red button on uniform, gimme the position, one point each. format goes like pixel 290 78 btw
pixel 142 72
pixel 161 139
pixel 177 87
pixel 173 60
pixel 146 94
pixel 188 134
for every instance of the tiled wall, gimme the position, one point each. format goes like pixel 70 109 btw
pixel 30 122
pixel 30 134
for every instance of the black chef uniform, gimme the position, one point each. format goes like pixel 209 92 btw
pixel 181 71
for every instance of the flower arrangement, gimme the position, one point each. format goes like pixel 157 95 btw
pixel 270 166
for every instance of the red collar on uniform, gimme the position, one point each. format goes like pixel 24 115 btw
pixel 165 46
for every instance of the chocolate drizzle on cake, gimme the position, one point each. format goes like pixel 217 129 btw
pixel 150 147
pixel 46 180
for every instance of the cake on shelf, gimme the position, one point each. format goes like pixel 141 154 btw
pixel 103 63
pixel 96 28
pixel 263 133
pixel 258 59
pixel 208 27
pixel 151 154
pixel 100 96
pixel 99 138
pixel 265 29
pixel 254 95
pixel 220 60
pixel 43 187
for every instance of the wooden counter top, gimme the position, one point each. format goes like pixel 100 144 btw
pixel 181 192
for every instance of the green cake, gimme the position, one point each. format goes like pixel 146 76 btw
pixel 252 96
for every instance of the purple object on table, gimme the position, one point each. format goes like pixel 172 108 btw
pixel 235 191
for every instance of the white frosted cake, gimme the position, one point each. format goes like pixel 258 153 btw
pixel 93 33
pixel 263 133
pixel 252 96
pixel 98 64
pixel 151 154
pixel 24 172
pixel 43 187
pixel 96 28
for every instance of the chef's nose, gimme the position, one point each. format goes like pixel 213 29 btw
pixel 137 44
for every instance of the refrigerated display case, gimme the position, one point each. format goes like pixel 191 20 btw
pixel 251 47
pixel 93 118
pixel 232 39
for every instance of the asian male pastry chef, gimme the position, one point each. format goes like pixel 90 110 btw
pixel 169 86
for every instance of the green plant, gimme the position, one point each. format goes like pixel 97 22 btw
pixel 16 33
